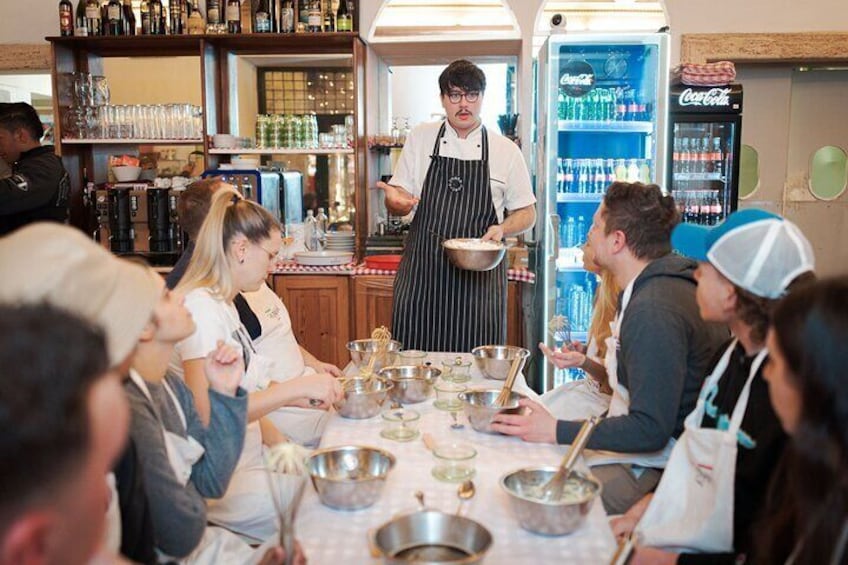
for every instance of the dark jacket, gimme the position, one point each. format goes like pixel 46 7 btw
pixel 665 352
pixel 38 190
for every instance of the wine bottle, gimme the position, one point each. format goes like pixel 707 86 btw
pixel 176 17
pixel 233 13
pixel 66 18
pixel 129 18
pixel 287 17
pixel 315 19
pixel 81 29
pixel 115 15
pixel 329 17
pixel 213 12
pixel 157 17
pixel 262 18
pixel 344 22
pixel 92 17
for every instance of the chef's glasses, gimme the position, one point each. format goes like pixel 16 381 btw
pixel 455 96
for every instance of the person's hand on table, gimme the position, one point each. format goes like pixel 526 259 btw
pixel 320 391
pixel 399 200
pixel 537 425
pixel 322 367
pixel 494 233
pixel 277 556
pixel 563 358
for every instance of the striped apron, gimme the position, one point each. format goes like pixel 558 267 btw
pixel 438 307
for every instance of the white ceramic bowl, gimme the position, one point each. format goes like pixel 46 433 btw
pixel 126 173
pixel 223 141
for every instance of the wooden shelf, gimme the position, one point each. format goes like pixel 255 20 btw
pixel 132 142
pixel 249 151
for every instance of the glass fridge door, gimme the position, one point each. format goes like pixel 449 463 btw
pixel 606 101
pixel 703 168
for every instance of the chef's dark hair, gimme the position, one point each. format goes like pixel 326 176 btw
pixel 808 500
pixel 20 115
pixel 462 74
pixel 49 361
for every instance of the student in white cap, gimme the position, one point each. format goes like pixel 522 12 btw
pixel 714 484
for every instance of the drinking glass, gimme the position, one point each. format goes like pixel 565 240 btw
pixel 400 424
pixel 457 370
pixel 454 461
pixel 412 357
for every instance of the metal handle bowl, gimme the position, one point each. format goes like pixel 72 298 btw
pixel 462 253
pixel 363 398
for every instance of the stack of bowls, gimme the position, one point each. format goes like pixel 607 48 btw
pixel 340 241
pixel 361 351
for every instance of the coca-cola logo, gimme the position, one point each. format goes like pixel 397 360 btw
pixel 711 97
pixel 577 78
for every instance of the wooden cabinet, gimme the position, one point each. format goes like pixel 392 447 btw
pixel 372 304
pixel 319 307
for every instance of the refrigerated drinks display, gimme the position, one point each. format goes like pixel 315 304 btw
pixel 704 128
pixel 602 112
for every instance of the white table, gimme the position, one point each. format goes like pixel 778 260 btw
pixel 334 537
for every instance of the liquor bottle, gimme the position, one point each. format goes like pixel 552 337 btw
pixel 262 18
pixel 233 14
pixel 129 18
pixel 66 18
pixel 315 19
pixel 81 23
pixel 329 17
pixel 213 12
pixel 157 17
pixel 92 17
pixel 195 25
pixel 104 17
pixel 115 22
pixel 287 17
pixel 176 17
pixel 303 13
pixel 344 21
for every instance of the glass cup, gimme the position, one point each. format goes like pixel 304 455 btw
pixel 454 462
pixel 457 370
pixel 400 424
pixel 411 357
pixel 447 395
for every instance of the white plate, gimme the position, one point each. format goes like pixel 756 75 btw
pixel 323 257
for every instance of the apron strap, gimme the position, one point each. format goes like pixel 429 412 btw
pixel 439 137
pixel 742 402
pixel 484 144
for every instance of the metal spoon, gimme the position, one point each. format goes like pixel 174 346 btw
pixel 465 492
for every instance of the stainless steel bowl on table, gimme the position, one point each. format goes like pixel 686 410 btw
pixel 412 383
pixel 555 518
pixel 431 537
pixel 480 407
pixel 349 477
pixel 474 254
pixel 494 361
pixel 363 398
pixel 361 351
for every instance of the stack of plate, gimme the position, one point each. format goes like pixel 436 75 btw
pixel 340 241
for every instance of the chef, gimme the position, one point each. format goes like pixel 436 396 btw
pixel 460 179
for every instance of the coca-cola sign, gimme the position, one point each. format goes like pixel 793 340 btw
pixel 712 97
pixel 577 78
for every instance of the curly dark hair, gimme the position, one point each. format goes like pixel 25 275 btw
pixel 20 115
pixel 756 311
pixel 809 497
pixel 462 74
pixel 644 214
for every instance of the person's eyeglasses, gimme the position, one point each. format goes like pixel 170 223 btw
pixel 455 96
pixel 271 254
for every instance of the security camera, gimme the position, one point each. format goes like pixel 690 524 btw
pixel 558 23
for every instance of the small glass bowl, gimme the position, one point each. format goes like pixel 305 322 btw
pixel 400 424
pixel 457 370
pixel 411 357
pixel 447 395
pixel 454 462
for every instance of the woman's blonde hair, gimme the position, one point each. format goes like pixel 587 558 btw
pixel 606 304
pixel 229 215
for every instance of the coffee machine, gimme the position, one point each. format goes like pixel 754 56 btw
pixel 133 218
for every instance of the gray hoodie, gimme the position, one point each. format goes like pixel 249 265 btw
pixel 665 352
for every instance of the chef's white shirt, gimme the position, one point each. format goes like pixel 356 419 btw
pixel 508 175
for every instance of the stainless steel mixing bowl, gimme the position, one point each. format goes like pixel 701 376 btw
pixel 349 477
pixel 413 383
pixel 550 518
pixel 363 398
pixel 494 361
pixel 480 409
pixel 461 254
pixel 362 349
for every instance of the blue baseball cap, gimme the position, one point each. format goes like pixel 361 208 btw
pixel 755 249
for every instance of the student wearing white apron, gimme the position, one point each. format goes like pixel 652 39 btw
pixel 235 252
pixel 715 481
pixel 657 355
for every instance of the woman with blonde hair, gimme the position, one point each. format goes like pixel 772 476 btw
pixel 235 252
pixel 591 396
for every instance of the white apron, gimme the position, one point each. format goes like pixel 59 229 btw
pixel 578 400
pixel 692 508
pixel 620 404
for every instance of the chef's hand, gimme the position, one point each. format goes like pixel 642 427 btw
pixel 649 556
pixel 564 357
pixel 224 369
pixel 398 200
pixel 537 425
pixel 494 233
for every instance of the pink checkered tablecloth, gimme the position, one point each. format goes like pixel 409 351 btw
pixel 290 268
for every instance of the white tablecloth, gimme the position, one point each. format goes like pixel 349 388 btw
pixel 334 537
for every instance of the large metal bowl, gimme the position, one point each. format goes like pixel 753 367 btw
pixel 361 351
pixel 494 361
pixel 363 398
pixel 479 406
pixel 431 537
pixel 413 383
pixel 349 477
pixel 549 518
pixel 462 253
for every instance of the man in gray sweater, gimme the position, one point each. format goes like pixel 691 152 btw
pixel 658 354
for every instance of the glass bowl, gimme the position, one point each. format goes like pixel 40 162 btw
pixel 457 370
pixel 454 462
pixel 447 395
pixel 400 424
pixel 411 357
